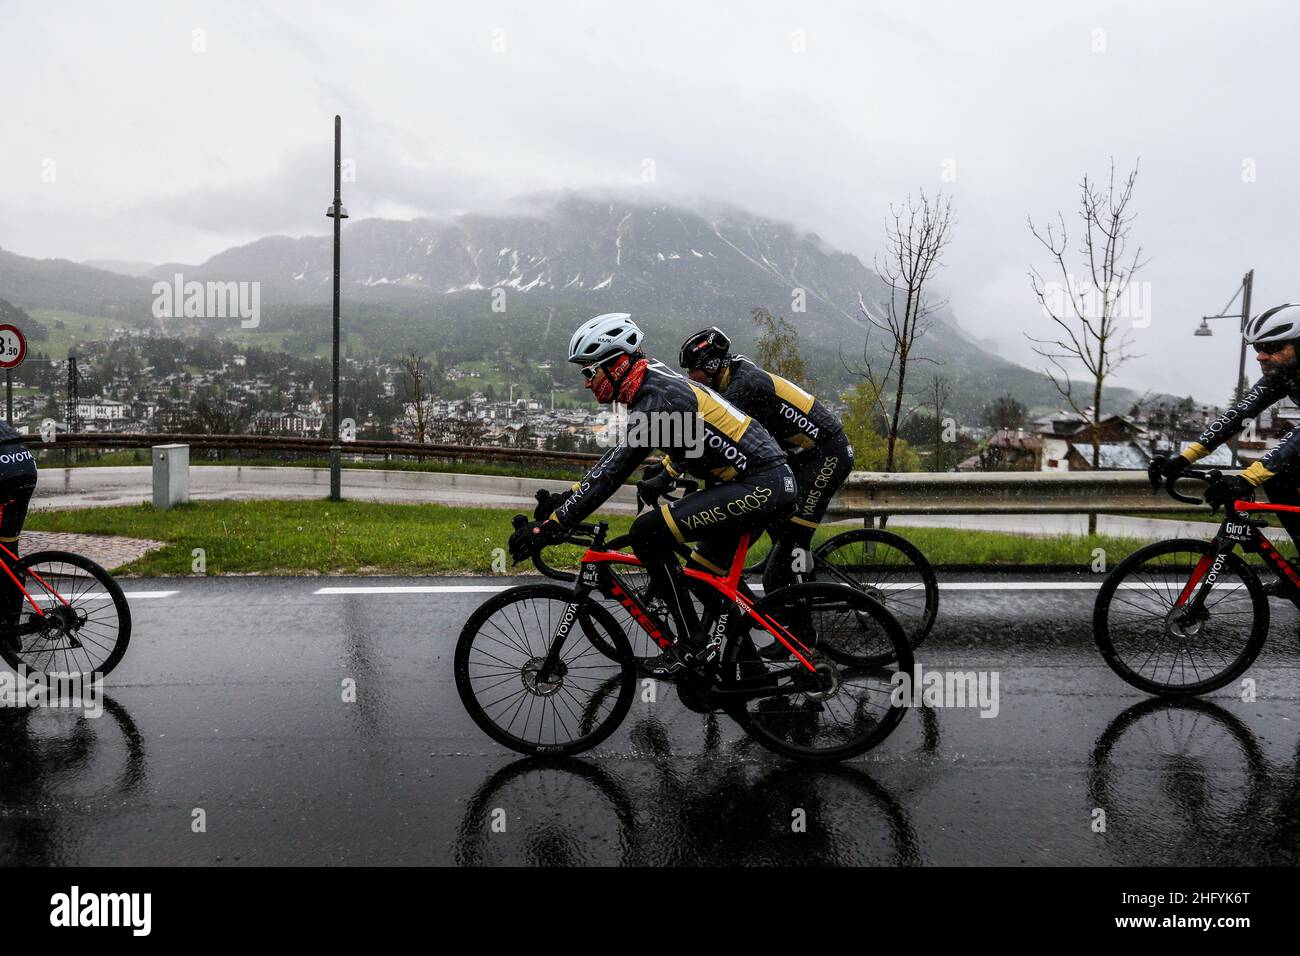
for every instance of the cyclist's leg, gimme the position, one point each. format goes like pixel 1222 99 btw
pixel 1281 490
pixel 17 482
pixel 716 516
pixel 652 542
pixel 820 473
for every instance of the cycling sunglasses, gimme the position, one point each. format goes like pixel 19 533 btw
pixel 1271 348
pixel 589 371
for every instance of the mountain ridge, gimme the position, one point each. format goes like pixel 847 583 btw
pixel 467 282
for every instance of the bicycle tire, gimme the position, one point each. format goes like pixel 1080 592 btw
pixel 620 672
pixel 889 583
pixel 774 725
pixel 32 651
pixel 1115 651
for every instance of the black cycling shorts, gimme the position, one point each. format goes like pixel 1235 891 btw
pixel 720 514
pixel 819 472
pixel 17 482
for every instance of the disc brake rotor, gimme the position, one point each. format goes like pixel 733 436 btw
pixel 828 676
pixel 1177 626
pixel 555 680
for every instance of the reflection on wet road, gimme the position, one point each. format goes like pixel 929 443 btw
pixel 230 736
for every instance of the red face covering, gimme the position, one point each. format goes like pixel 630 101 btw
pixel 624 376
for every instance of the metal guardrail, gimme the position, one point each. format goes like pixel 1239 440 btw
pixel 869 494
pixel 317 446
pixel 865 494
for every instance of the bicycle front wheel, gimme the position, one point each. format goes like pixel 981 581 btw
pixel 85 624
pixel 1155 644
pixel 890 569
pixel 498 663
pixel 852 705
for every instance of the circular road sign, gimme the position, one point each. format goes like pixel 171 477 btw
pixel 13 347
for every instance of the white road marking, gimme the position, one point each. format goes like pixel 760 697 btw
pixel 943 586
pixel 103 595
pixel 418 589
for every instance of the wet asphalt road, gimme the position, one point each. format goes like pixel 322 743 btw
pixel 230 701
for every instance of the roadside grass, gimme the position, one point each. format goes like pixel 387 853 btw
pixel 355 537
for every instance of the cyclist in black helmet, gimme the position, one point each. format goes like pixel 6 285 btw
pixel 819 452
pixel 1275 334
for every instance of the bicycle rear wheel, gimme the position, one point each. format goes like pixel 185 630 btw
pixel 1148 642
pixel 86 625
pixel 852 708
pixel 890 569
pixel 497 662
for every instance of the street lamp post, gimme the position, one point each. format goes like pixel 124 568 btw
pixel 1244 291
pixel 338 214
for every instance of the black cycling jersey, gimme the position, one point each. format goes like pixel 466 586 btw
pixel 1261 395
pixel 707 438
pixel 17 482
pixel 795 418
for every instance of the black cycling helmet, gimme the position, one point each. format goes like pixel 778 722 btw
pixel 705 350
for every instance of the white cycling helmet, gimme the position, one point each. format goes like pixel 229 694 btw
pixel 604 336
pixel 1278 324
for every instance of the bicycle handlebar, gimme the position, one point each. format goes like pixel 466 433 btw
pixel 585 535
pixel 1195 474
pixel 650 499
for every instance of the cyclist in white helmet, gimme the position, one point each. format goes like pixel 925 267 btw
pixel 1275 335
pixel 748 484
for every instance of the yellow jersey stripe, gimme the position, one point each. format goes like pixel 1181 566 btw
pixel 721 414
pixel 702 560
pixel 792 393
pixel 672 524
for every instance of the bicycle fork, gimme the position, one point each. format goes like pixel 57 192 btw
pixel 1189 608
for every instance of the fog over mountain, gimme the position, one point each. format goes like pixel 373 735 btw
pixel 529 276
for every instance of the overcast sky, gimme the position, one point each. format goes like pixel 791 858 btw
pixel 174 130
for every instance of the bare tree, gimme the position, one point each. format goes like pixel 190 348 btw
pixel 938 393
pixel 914 241
pixel 1086 316
pixel 778 347
pixel 415 372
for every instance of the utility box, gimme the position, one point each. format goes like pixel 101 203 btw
pixel 171 475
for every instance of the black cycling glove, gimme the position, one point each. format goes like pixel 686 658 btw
pixel 529 539
pixel 549 504
pixel 1228 489
pixel 655 481
pixel 1167 467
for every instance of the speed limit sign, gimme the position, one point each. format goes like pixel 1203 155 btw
pixel 13 347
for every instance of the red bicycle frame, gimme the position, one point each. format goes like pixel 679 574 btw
pixel 728 585
pixel 1251 539
pixel 14 578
